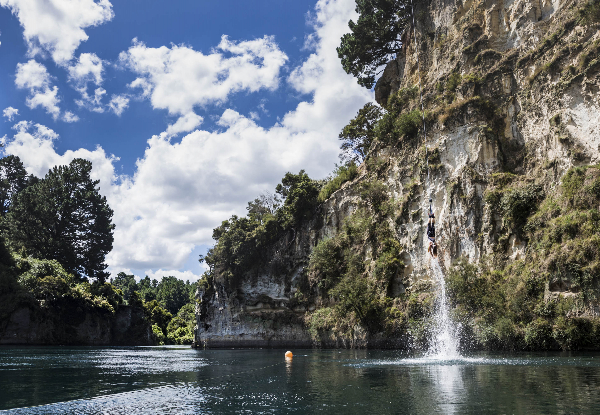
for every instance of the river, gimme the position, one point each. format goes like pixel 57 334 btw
pixel 169 380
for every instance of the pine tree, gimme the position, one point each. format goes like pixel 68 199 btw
pixel 64 217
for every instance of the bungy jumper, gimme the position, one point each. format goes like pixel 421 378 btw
pixel 432 249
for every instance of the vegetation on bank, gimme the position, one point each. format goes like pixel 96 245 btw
pixel 55 233
pixel 242 243
pixel 169 305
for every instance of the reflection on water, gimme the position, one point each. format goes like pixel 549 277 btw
pixel 180 380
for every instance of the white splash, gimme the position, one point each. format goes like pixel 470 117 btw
pixel 444 342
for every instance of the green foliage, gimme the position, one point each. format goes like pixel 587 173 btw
pixel 397 122
pixel 375 194
pixel 483 105
pixel 300 195
pixel 180 329
pixel 359 134
pixel 566 232
pixel 374 38
pixel 341 175
pixel 453 81
pixel 409 124
pixel 518 203
pixel 590 13
pixel 125 283
pixel 173 294
pixel 13 179
pixel 63 217
pixel 157 315
pixel 327 262
pixel 538 335
pixel 159 336
pixel 399 101
pixel 507 307
pixel 337 268
pixel 242 244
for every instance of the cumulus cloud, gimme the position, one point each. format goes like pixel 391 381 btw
pixel 34 144
pixel 118 103
pixel 182 275
pixel 87 68
pixel 184 124
pixel 92 102
pixel 179 78
pixel 57 26
pixel 181 190
pixel 34 76
pixel 48 99
pixel 9 113
pixel 69 117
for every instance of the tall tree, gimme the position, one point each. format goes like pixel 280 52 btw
pixel 300 197
pixel 126 283
pixel 64 217
pixel 375 37
pixel 13 179
pixel 173 294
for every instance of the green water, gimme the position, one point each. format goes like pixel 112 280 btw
pixel 168 380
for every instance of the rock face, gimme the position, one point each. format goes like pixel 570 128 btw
pixel 30 325
pixel 510 86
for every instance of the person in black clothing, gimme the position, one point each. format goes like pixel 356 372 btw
pixel 431 233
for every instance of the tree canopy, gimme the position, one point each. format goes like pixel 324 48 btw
pixel 374 39
pixel 13 179
pixel 359 134
pixel 242 242
pixel 64 217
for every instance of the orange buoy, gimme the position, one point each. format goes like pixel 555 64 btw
pixel 288 355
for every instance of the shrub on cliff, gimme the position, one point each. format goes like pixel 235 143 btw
pixel 341 175
pixel 359 134
pixel 507 306
pixel 242 243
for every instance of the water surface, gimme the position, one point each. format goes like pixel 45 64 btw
pixel 163 380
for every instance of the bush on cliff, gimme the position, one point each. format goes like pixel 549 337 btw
pixel 358 136
pixel 341 175
pixel 543 300
pixel 243 243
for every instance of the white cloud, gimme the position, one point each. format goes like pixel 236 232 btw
pixel 184 124
pixel 34 144
pixel 118 103
pixel 92 102
pixel 181 190
pixel 57 26
pixel 88 68
pixel 182 275
pixel 69 117
pixel 32 75
pixel 180 78
pixel 9 113
pixel 47 99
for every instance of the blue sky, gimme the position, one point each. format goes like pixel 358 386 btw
pixel 187 109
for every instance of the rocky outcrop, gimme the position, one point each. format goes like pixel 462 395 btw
pixel 30 325
pixel 509 87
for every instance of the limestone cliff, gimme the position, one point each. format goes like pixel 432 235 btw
pixel 511 97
